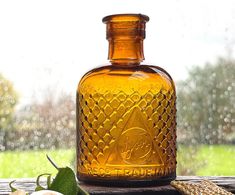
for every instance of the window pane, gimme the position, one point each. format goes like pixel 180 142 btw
pixel 46 47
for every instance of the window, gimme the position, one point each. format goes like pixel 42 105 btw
pixel 47 46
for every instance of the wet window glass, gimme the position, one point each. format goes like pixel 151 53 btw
pixel 46 47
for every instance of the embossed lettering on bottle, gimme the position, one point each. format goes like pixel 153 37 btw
pixel 126 115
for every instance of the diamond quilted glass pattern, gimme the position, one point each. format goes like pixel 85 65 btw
pixel 104 119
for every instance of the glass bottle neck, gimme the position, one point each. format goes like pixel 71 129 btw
pixel 126 51
pixel 125 33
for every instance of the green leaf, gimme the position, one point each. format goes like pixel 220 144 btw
pixel 52 162
pixel 12 188
pixel 48 181
pixel 65 182
pixel 39 187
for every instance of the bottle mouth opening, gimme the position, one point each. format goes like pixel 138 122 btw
pixel 125 18
pixel 125 26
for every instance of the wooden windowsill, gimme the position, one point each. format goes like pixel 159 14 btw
pixel 29 184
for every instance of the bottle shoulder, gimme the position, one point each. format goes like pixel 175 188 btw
pixel 110 70
pixel 127 75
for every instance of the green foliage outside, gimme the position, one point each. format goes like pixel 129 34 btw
pixel 217 160
pixel 206 160
pixel 22 164
pixel 8 100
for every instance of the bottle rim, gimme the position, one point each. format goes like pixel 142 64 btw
pixel 129 17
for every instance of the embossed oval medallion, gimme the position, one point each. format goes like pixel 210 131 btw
pixel 135 145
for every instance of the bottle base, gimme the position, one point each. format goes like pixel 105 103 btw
pixel 109 182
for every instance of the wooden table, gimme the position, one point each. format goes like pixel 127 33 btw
pixel 29 184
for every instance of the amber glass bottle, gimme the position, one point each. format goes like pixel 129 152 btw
pixel 126 115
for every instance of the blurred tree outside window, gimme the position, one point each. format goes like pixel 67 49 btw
pixel 8 100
